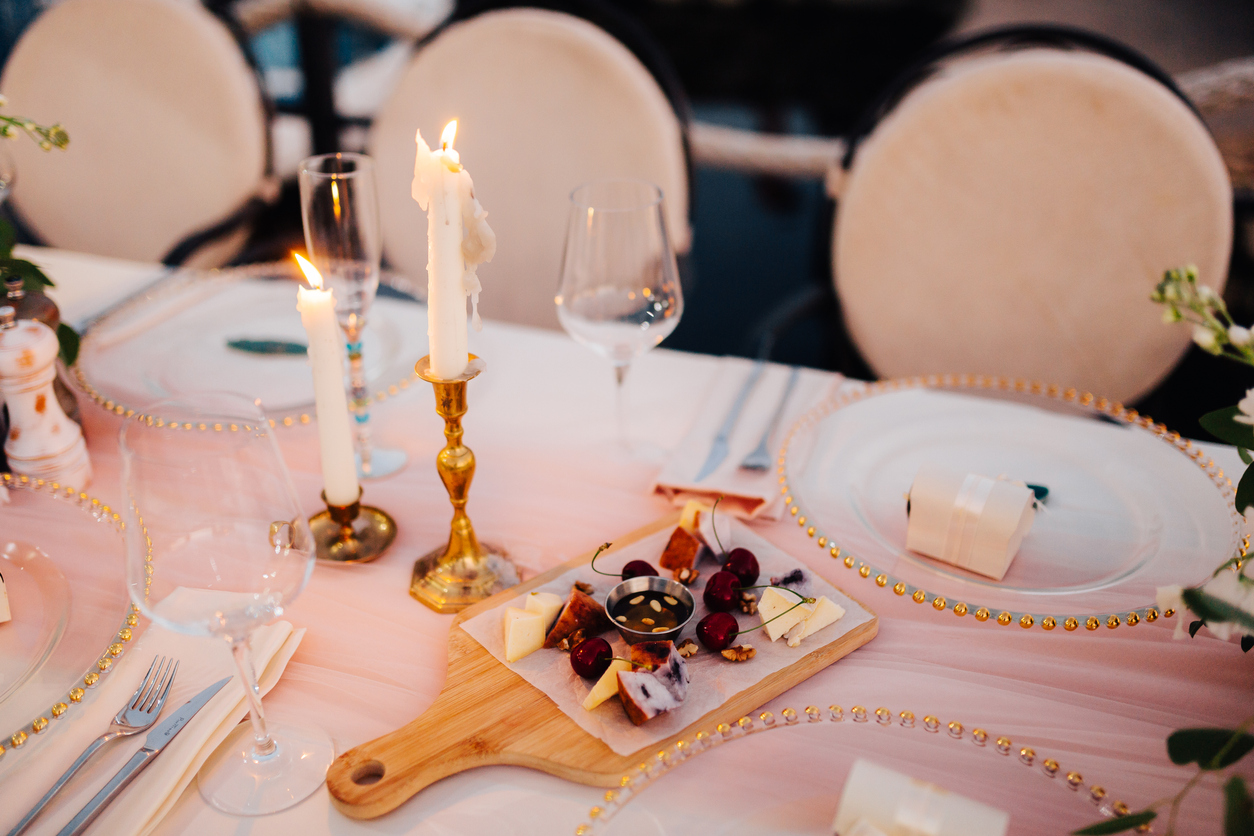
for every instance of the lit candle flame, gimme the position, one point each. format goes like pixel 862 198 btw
pixel 311 273
pixel 450 132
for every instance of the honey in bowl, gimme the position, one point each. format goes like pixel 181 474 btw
pixel 650 611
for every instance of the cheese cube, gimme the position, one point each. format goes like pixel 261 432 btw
pixel 5 615
pixel 548 604
pixel 524 633
pixel 775 602
pixel 824 613
pixel 607 685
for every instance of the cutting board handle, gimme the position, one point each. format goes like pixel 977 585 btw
pixel 378 776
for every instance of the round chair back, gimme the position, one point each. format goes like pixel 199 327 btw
pixel 545 102
pixel 1011 215
pixel 168 130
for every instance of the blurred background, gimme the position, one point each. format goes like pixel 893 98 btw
pixel 800 67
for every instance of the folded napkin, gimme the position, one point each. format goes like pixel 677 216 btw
pixel 746 493
pixel 87 285
pixel 27 773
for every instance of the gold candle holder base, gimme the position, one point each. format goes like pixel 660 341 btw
pixel 465 571
pixel 351 533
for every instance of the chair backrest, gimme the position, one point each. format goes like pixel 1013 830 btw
pixel 168 129
pixel 544 101
pixel 1010 216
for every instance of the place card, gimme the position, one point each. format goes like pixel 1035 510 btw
pixel 880 802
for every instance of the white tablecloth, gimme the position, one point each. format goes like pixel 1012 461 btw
pixel 552 483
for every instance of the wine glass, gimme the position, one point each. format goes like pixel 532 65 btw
pixel 217 545
pixel 339 205
pixel 619 292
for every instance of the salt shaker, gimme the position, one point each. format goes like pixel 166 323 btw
pixel 42 442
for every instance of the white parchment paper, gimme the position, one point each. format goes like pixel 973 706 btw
pixel 714 679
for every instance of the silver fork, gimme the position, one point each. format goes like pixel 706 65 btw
pixel 138 715
pixel 760 458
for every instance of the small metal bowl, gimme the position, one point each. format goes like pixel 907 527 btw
pixel 647 583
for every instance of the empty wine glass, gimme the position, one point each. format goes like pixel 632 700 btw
pixel 217 545
pixel 339 205
pixel 619 292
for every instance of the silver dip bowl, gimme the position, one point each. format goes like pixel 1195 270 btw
pixel 649 583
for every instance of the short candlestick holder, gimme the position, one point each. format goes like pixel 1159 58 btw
pixel 353 533
pixel 452 577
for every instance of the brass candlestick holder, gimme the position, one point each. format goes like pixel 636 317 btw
pixel 351 533
pixel 452 577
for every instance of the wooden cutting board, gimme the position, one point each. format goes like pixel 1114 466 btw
pixel 487 714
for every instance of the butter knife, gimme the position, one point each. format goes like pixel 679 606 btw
pixel 719 448
pixel 157 740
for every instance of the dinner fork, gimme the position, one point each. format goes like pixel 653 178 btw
pixel 138 715
pixel 760 458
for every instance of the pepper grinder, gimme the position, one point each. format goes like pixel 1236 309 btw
pixel 41 442
pixel 34 304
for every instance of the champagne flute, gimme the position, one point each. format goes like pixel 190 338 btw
pixel 217 545
pixel 619 292
pixel 339 206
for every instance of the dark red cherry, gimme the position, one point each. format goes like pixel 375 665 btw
pixel 637 568
pixel 721 591
pixel 717 630
pixel 742 564
pixel 591 657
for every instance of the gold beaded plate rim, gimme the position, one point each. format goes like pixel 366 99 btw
pixel 179 281
pixel 666 759
pixel 76 694
pixel 1070 623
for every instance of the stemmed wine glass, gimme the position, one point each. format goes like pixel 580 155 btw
pixel 619 292
pixel 217 545
pixel 339 205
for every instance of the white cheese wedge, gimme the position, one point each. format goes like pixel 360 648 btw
pixel 775 602
pixel 689 520
pixel 825 613
pixel 524 633
pixel 607 685
pixel 548 604
pixel 5 615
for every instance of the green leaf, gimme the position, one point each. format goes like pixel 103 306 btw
pixel 1216 610
pixel 1245 490
pixel 1194 627
pixel 1245 455
pixel 1220 424
pixel 1118 825
pixel 1201 746
pixel 69 340
pixel 34 277
pixel 1238 808
pixel 8 237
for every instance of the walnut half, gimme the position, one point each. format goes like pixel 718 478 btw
pixel 585 588
pixel 686 648
pixel 748 603
pixel 570 641
pixel 739 653
pixel 687 576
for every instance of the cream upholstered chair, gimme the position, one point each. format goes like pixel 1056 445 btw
pixel 168 130
pixel 544 101
pixel 1010 214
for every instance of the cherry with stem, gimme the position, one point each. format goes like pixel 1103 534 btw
pixel 632 569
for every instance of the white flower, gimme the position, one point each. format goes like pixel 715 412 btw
pixel 1245 406
pixel 1170 598
pixel 1238 336
pixel 1207 294
pixel 1204 337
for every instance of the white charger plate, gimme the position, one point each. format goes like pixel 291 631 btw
pixel 1131 507
pixel 171 340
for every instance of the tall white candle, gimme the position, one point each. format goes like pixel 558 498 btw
pixel 458 240
pixel 326 357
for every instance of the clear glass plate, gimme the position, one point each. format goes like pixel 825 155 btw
pixel 736 779
pixel 173 337
pixel 1131 507
pixel 62 557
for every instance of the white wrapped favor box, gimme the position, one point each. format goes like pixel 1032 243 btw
pixel 877 800
pixel 968 520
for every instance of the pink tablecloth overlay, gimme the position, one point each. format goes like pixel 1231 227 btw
pixel 552 483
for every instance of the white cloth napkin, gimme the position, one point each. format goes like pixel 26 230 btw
pixel 746 493
pixel 27 773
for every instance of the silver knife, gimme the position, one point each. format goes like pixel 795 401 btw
pixel 719 449
pixel 157 740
